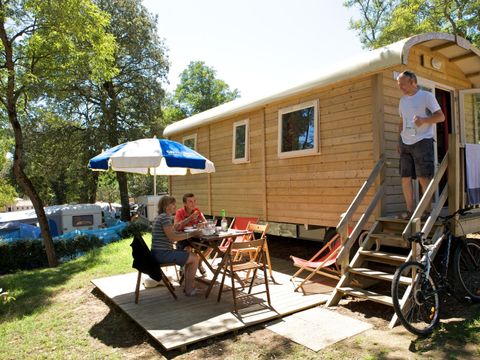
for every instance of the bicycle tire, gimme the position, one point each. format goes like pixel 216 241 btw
pixel 466 264
pixel 421 312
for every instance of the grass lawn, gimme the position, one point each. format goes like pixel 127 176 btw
pixel 58 314
pixel 47 318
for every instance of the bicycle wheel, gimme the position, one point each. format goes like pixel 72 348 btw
pixel 420 312
pixel 467 268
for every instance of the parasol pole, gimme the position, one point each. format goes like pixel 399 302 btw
pixel 155 181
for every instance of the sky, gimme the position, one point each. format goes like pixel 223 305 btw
pixel 259 47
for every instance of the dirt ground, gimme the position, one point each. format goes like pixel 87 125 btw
pixel 109 327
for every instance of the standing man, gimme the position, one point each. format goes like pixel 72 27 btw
pixel 419 112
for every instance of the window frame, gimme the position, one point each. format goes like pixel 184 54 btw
pixel 297 153
pixel 82 220
pixel 190 137
pixel 246 158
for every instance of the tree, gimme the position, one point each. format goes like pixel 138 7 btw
pixel 44 45
pixel 384 22
pixel 198 90
pixel 126 106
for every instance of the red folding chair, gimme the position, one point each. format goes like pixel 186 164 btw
pixel 324 262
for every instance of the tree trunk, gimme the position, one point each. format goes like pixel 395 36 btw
pixel 122 183
pixel 110 114
pixel 29 189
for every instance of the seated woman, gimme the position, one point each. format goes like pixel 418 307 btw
pixel 163 238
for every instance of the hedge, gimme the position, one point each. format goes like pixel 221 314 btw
pixel 28 254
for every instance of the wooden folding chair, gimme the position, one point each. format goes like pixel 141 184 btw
pixel 144 262
pixel 231 266
pixel 163 277
pixel 238 223
pixel 322 263
pixel 258 232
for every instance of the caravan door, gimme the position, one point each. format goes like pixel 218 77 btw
pixel 444 96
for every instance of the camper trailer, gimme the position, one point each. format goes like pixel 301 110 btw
pixel 148 206
pixel 299 157
pixel 61 218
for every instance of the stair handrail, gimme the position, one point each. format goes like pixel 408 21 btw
pixel 411 226
pixel 349 240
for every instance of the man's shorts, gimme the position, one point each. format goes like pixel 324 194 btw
pixel 178 257
pixel 416 160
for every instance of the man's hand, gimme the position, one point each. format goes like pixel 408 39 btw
pixel 419 121
pixel 194 215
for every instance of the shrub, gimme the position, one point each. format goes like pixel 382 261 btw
pixel 28 254
pixel 133 228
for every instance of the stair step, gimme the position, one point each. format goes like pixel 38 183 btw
pixel 385 257
pixel 366 294
pixel 392 219
pixel 390 239
pixel 379 275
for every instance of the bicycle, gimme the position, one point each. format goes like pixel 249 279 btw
pixel 417 285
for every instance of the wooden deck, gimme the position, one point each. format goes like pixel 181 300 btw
pixel 177 323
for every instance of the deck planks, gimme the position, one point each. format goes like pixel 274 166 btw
pixel 178 323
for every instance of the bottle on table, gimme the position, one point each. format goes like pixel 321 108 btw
pixel 224 222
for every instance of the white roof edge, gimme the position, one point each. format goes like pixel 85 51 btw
pixel 375 60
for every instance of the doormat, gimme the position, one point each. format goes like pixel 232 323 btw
pixel 317 328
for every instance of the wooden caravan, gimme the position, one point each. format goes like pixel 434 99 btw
pixel 300 156
pixel 324 155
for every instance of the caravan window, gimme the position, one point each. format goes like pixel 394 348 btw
pixel 298 130
pixel 240 142
pixel 82 220
pixel 190 141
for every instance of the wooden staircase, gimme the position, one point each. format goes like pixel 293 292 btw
pixel 370 272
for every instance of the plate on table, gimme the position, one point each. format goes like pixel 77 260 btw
pixel 189 229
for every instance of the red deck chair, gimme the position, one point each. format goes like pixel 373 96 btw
pixel 322 263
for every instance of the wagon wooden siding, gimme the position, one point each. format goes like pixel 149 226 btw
pixel 312 189
pixel 237 188
pixel 471 126
pixel 317 189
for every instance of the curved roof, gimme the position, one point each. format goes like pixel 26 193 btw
pixel 455 48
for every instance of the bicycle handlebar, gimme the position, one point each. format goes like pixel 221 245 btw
pixel 459 211
pixel 416 237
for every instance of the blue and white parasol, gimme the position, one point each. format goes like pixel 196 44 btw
pixel 152 156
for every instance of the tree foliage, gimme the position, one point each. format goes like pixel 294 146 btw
pixel 126 106
pixel 43 46
pixel 89 116
pixel 198 90
pixel 384 22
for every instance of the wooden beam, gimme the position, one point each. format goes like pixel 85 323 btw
pixel 378 131
pixel 443 46
pixel 209 176
pixel 264 166
pixel 454 178
pixel 471 75
pixel 463 57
